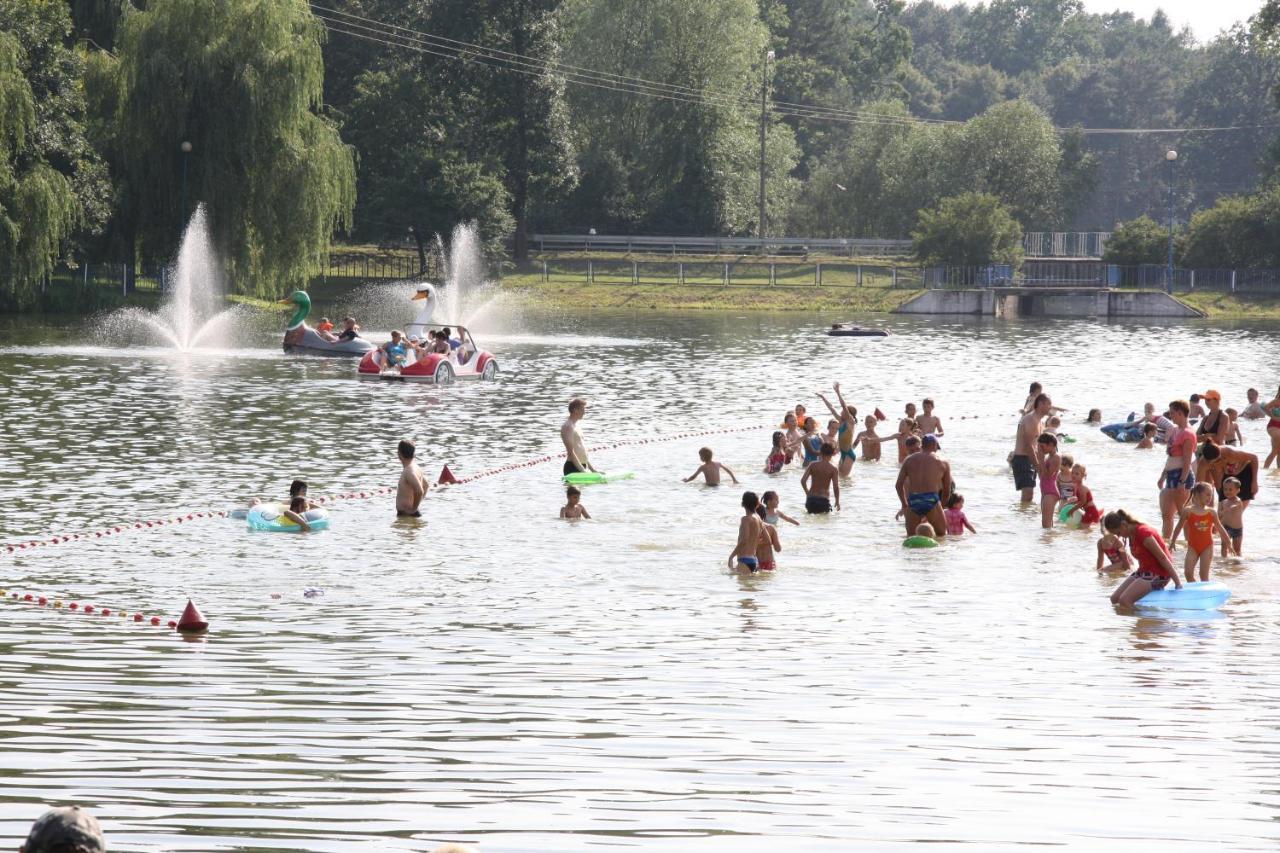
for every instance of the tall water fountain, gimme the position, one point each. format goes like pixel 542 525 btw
pixel 467 294
pixel 193 314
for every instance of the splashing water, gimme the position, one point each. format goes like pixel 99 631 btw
pixel 192 315
pixel 467 294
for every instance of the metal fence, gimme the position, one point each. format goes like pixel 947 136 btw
pixel 1078 274
pixel 800 246
pixel 385 267
pixel 727 273
pixel 1064 244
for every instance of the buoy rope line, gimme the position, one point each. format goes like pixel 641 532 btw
pixel 367 493
pixel 86 609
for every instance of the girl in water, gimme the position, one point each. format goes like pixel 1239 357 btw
pixel 844 436
pixel 957 521
pixel 790 435
pixel 1089 512
pixel 771 512
pixel 1273 430
pixel 1200 521
pixel 1112 553
pixel 777 455
pixel 1177 478
pixel 1155 563
pixel 1050 464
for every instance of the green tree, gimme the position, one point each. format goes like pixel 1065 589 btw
pixel 1239 232
pixel 1138 241
pixel 682 165
pixel 241 80
pixel 972 229
pixel 53 187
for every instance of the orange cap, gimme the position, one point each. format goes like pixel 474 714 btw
pixel 1213 395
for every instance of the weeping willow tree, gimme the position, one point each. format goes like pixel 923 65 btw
pixel 38 207
pixel 242 82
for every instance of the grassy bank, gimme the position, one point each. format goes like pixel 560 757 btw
pixel 1233 306
pixel 697 297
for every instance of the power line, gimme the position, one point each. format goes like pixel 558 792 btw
pixel 392 35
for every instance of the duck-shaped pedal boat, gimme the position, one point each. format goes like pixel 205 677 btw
pixel 301 339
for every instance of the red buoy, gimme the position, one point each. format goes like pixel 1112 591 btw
pixel 192 620
pixel 446 477
pixel 880 416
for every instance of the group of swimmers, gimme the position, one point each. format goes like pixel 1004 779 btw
pixel 1205 485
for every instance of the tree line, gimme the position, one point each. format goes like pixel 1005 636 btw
pixel 387 120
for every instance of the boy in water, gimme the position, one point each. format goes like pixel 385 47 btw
pixel 572 509
pixel 1148 439
pixel 412 486
pixel 710 470
pixel 750 529
pixel 1231 514
pixel 296 513
pixel 929 422
pixel 869 441
pixel 1254 410
pixel 910 409
pixel 820 480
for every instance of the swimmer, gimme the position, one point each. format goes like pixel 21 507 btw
pixel 710 470
pixel 1112 553
pixel 1053 425
pixel 777 455
pixel 1196 410
pixel 810 442
pixel 768 545
pixel 1218 463
pixel 1177 478
pixel 1200 520
pixel 1095 416
pixel 929 422
pixel 297 506
pixel 1215 425
pixel 1048 464
pixel 844 435
pixel 1253 411
pixel 1148 439
pixel 412 486
pixel 1155 563
pixel 1029 406
pixel 1273 430
pixel 572 508
pixel 957 521
pixel 1029 429
pixel 923 484
pixel 868 440
pixel 910 409
pixel 926 530
pixel 1089 512
pixel 575 450
pixel 750 528
pixel 904 435
pixel 820 480
pixel 1234 436
pixel 1066 484
pixel 1231 514
pixel 771 512
pixel 833 430
pixel 790 435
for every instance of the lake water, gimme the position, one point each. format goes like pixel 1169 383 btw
pixel 497 676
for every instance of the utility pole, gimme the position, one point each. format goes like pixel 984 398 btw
pixel 764 115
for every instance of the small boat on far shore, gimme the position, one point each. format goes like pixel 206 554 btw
pixel 840 330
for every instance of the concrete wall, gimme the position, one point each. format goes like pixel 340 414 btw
pixel 1007 303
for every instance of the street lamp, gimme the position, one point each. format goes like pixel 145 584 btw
pixel 1171 157
pixel 764 114
pixel 186 149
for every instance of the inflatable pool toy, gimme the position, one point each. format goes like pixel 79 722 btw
pixel 1129 431
pixel 840 330
pixel 1070 516
pixel 1066 439
pixel 239 514
pixel 1200 595
pixel 590 478
pixel 271 517
pixel 302 339
pixel 919 542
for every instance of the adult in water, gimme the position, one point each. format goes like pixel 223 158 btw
pixel 1023 461
pixel 923 486
pixel 1273 430
pixel 1155 564
pixel 1178 476
pixel 1215 426
pixel 1217 463
pixel 575 450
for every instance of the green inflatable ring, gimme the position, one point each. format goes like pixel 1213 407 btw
pixel 920 542
pixel 1065 512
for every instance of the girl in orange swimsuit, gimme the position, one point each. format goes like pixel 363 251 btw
pixel 1200 520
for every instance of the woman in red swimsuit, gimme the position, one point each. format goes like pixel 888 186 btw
pixel 1155 565
pixel 1273 429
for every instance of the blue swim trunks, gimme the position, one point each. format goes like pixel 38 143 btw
pixel 1174 479
pixel 749 563
pixel 921 502
pixel 849 454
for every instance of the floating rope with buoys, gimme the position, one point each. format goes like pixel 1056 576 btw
pixel 446 478
pixel 191 621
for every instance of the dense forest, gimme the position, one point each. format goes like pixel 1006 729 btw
pixel 387 120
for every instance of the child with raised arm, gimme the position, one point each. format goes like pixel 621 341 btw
pixel 1200 520
pixel 777 454
pixel 771 512
pixel 710 470
pixel 1231 513
pixel 845 433
pixel 957 521
pixel 572 509
pixel 1112 553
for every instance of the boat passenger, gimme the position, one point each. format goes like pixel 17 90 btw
pixel 395 350
pixel 350 329
pixel 441 344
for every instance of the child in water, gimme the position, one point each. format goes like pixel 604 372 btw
pixel 1112 553
pixel 768 545
pixel 790 435
pixel 772 514
pixel 1090 514
pixel 957 521
pixel 710 470
pixel 1200 520
pixel 869 441
pixel 1148 439
pixel 1095 416
pixel 1234 436
pixel 296 513
pixel 572 509
pixel 925 537
pixel 1066 485
pixel 1231 514
pixel 777 455
pixel 1050 465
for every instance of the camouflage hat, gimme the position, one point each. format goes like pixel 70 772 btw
pixel 65 830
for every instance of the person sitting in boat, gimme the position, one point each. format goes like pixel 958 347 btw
pixel 325 330
pixel 441 344
pixel 460 347
pixel 350 329
pixel 454 343
pixel 396 351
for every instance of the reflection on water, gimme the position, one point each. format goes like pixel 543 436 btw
pixel 495 675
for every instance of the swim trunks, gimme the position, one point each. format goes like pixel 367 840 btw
pixel 414 514
pixel 571 467
pixel 1234 532
pixel 749 563
pixel 849 454
pixel 817 504
pixel 1174 479
pixel 1156 581
pixel 922 502
pixel 1024 472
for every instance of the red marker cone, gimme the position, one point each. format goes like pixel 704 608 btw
pixel 880 416
pixel 192 620
pixel 446 477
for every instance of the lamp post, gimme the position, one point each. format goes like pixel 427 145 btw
pixel 1171 157
pixel 186 150
pixel 764 115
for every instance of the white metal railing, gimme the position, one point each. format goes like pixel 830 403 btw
pixel 1064 244
pixel 848 247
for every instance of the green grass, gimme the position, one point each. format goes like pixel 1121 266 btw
pixel 1233 305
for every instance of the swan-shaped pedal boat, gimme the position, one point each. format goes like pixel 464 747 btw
pixel 301 339
pixel 408 363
